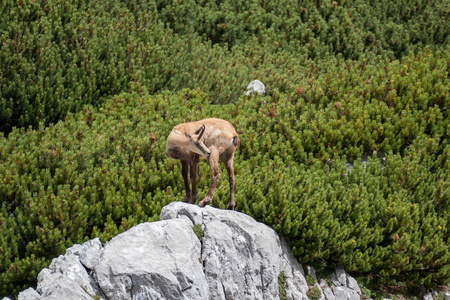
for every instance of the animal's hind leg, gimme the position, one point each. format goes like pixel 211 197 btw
pixel 213 160
pixel 230 170
pixel 184 172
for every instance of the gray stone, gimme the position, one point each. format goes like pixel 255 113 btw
pixel 312 273
pixel 159 260
pixel 55 286
pixel 428 296
pixel 28 294
pixel 67 278
pixel 178 210
pixel 70 266
pixel 238 258
pixel 334 279
pixel 323 283
pixel 353 284
pixel 328 294
pixel 345 293
pixel 255 87
pixel 88 253
pixel 76 250
pixel 341 276
pixel 242 258
pixel 447 296
pixel 91 251
pixel 295 278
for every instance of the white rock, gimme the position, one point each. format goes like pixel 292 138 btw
pixel 56 286
pixel 312 273
pixel 242 258
pixel 341 276
pixel 28 294
pixel 254 87
pixel 353 284
pixel 328 294
pixel 238 258
pixel 88 253
pixel 345 293
pixel 428 296
pixel 76 249
pixel 179 210
pixel 323 283
pixel 295 278
pixel 159 260
pixel 91 251
pixel 71 267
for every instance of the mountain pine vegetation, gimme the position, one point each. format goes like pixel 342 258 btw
pixel 89 90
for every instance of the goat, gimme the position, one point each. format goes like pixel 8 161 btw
pixel 212 139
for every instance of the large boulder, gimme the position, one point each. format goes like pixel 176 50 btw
pixel 242 258
pixel 159 260
pixel 192 253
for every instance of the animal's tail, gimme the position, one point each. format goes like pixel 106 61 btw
pixel 236 141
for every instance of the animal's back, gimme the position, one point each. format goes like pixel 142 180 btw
pixel 220 132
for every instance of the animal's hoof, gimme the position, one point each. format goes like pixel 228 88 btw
pixel 193 199
pixel 190 199
pixel 204 202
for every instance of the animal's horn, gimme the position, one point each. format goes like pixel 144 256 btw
pixel 202 130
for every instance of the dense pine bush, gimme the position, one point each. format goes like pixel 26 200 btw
pixel 95 87
pixel 57 56
pixel 97 173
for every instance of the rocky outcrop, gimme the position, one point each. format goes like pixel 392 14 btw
pixel 241 258
pixel 192 253
pixel 344 286
pixel 153 261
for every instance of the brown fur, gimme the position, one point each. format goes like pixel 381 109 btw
pixel 216 142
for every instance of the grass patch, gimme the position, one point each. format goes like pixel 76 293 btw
pixel 282 285
pixel 313 293
pixel 198 231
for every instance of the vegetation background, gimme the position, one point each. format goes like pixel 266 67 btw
pixel 89 90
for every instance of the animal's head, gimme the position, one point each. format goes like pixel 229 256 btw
pixel 195 142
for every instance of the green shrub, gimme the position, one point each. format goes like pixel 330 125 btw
pixel 198 231
pixel 310 281
pixel 101 171
pixel 313 293
pixel 316 29
pixel 57 56
pixel 282 284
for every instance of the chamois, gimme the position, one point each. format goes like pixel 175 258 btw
pixel 212 139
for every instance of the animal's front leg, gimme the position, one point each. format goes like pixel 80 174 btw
pixel 193 174
pixel 213 160
pixel 185 172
